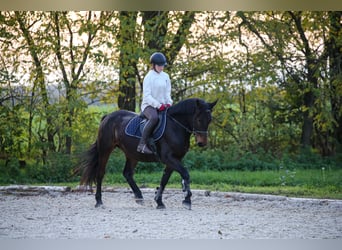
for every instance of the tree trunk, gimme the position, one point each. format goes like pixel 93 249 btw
pixel 335 65
pixel 310 86
pixel 128 60
pixel 307 128
pixel 155 24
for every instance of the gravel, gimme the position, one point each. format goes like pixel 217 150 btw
pixel 68 214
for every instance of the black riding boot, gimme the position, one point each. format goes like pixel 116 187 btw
pixel 142 146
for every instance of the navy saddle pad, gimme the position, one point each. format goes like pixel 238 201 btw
pixel 136 125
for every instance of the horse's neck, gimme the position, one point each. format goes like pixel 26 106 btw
pixel 182 113
pixel 185 119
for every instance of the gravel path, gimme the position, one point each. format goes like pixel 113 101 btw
pixel 214 215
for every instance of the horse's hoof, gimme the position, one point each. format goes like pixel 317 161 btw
pixel 161 206
pixel 99 204
pixel 140 201
pixel 187 205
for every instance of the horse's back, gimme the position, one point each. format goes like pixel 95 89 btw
pixel 118 119
pixel 119 115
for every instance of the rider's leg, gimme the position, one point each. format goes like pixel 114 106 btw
pixel 152 116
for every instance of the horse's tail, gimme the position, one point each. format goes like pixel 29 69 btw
pixel 93 161
pixel 89 165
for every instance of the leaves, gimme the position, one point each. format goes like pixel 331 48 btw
pixel 272 71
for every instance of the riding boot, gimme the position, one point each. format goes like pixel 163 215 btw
pixel 142 146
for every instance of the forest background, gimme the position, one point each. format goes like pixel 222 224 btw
pixel 277 76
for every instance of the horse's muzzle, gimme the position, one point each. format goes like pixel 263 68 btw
pixel 201 139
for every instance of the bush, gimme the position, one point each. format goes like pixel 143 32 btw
pixel 117 160
pixel 10 172
pixel 215 159
pixel 58 168
pixel 309 159
pixel 221 160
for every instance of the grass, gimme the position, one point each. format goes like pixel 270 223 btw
pixel 301 183
pixel 310 183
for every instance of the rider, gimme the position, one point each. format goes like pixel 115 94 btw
pixel 156 97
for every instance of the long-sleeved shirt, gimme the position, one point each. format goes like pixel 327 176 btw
pixel 156 90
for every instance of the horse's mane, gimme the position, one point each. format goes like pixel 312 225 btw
pixel 187 106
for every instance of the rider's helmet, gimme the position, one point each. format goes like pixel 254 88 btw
pixel 158 58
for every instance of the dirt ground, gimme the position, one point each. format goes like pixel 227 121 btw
pixel 58 213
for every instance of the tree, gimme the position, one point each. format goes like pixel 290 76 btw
pixel 128 60
pixel 137 43
pixel 72 57
pixel 37 53
pixel 277 74
pixel 295 39
pixel 56 50
pixel 334 48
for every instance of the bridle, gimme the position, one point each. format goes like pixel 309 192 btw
pixel 193 131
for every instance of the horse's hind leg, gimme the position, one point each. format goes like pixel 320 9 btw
pixel 128 173
pixel 99 178
pixel 98 195
pixel 159 193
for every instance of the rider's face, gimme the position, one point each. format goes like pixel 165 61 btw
pixel 158 68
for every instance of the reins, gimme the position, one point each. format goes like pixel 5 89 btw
pixel 193 131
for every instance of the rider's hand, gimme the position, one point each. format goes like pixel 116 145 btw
pixel 162 107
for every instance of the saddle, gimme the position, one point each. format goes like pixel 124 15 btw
pixel 136 126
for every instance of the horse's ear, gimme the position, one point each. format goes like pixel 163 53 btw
pixel 198 103
pixel 211 105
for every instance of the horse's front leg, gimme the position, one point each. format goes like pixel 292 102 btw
pixel 159 193
pixel 185 185
pixel 176 165
pixel 186 188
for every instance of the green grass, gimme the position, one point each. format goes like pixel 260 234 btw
pixel 309 183
pixel 301 183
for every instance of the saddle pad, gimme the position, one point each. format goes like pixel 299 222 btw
pixel 136 125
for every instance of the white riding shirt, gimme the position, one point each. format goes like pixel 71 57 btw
pixel 156 90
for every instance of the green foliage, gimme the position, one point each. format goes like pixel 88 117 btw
pixel 234 159
pixel 57 168
pixel 116 162
pixel 86 124
pixel 219 160
pixel 10 171
pixel 12 131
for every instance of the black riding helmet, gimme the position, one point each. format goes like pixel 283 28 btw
pixel 158 58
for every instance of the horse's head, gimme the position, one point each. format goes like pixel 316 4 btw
pixel 201 120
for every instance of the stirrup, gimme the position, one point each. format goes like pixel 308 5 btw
pixel 144 149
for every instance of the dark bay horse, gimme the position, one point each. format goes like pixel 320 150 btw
pixel 191 116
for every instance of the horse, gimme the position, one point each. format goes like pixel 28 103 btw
pixel 187 117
